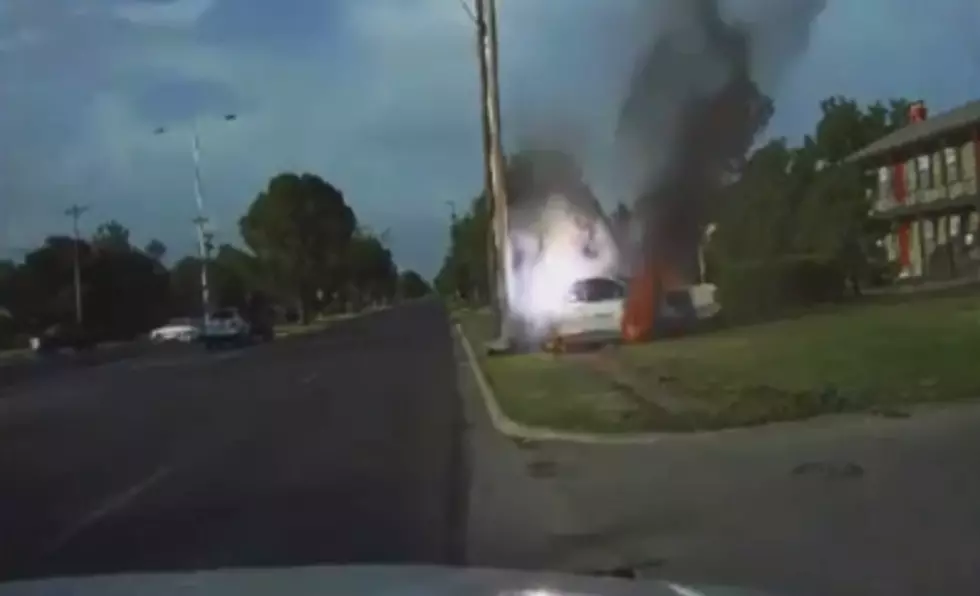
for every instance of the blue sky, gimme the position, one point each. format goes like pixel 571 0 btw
pixel 377 96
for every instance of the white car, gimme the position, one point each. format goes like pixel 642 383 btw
pixel 181 330
pixel 592 309
pixel 226 327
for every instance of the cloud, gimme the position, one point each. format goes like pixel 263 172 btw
pixel 378 96
pixel 165 13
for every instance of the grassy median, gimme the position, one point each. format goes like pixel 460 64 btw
pixel 874 357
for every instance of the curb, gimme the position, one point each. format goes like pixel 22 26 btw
pixel 511 428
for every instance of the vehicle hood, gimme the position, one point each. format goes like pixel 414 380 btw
pixel 359 581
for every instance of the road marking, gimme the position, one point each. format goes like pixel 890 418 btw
pixel 109 506
pixel 309 378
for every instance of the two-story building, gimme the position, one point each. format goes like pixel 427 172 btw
pixel 928 190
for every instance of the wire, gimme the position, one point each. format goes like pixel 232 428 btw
pixel 469 11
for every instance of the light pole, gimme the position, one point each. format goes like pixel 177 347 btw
pixel 75 212
pixel 205 236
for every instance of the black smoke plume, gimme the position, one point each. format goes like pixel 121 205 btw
pixel 694 108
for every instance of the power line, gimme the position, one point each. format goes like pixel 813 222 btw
pixel 469 11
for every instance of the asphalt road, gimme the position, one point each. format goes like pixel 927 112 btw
pixel 338 447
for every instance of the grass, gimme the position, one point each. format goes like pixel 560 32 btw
pixel 7 356
pixel 320 323
pixel 872 357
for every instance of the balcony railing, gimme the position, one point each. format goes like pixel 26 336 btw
pixel 954 190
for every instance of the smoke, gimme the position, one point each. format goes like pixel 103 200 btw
pixel 696 104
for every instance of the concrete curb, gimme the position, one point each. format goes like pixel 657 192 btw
pixel 511 428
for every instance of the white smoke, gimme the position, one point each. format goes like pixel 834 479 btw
pixel 554 248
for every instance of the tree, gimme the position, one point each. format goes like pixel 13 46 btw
pixel 412 285
pixel 371 274
pixel 185 287
pixel 235 275
pixel 300 228
pixel 464 269
pixel 111 235
pixel 155 249
pixel 124 292
pixel 806 204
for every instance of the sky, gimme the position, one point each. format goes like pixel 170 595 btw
pixel 379 97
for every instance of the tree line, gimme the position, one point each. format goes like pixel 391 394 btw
pixel 302 248
pixel 791 222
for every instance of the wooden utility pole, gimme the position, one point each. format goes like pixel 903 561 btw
pixel 75 212
pixel 482 43
pixel 487 23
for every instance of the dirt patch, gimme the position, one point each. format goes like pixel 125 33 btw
pixel 644 386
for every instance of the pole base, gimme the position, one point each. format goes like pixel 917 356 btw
pixel 499 346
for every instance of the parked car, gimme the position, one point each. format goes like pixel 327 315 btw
pixel 182 330
pixel 225 327
pixel 63 336
pixel 593 310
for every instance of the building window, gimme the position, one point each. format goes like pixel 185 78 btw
pixel 925 171
pixel 885 194
pixel 952 164
pixel 938 171
pixel 967 164
pixel 910 178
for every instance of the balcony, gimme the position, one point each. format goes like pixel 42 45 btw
pixel 955 194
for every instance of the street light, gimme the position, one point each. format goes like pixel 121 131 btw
pixel 205 236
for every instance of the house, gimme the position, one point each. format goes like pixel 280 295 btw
pixel 928 191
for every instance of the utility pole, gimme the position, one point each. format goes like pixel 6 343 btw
pixel 75 212
pixel 482 43
pixel 493 144
pixel 205 237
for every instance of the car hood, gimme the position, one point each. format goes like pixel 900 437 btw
pixel 359 581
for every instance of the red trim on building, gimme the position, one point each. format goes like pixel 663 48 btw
pixel 898 187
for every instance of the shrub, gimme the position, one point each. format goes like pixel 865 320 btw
pixel 754 290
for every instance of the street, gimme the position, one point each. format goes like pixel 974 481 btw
pixel 368 443
pixel 336 447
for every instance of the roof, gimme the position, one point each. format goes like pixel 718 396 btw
pixel 955 119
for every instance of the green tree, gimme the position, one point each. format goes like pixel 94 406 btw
pixel 372 275
pixel 300 228
pixel 808 205
pixel 155 249
pixel 111 235
pixel 185 288
pixel 464 269
pixel 412 285
pixel 124 292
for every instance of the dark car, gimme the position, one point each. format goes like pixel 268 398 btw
pixel 64 336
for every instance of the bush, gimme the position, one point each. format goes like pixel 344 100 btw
pixel 754 290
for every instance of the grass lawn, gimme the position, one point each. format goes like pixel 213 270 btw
pixel 318 324
pixel 875 357
pixel 14 355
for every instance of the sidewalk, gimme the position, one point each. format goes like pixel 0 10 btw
pixel 516 521
pixel 836 505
